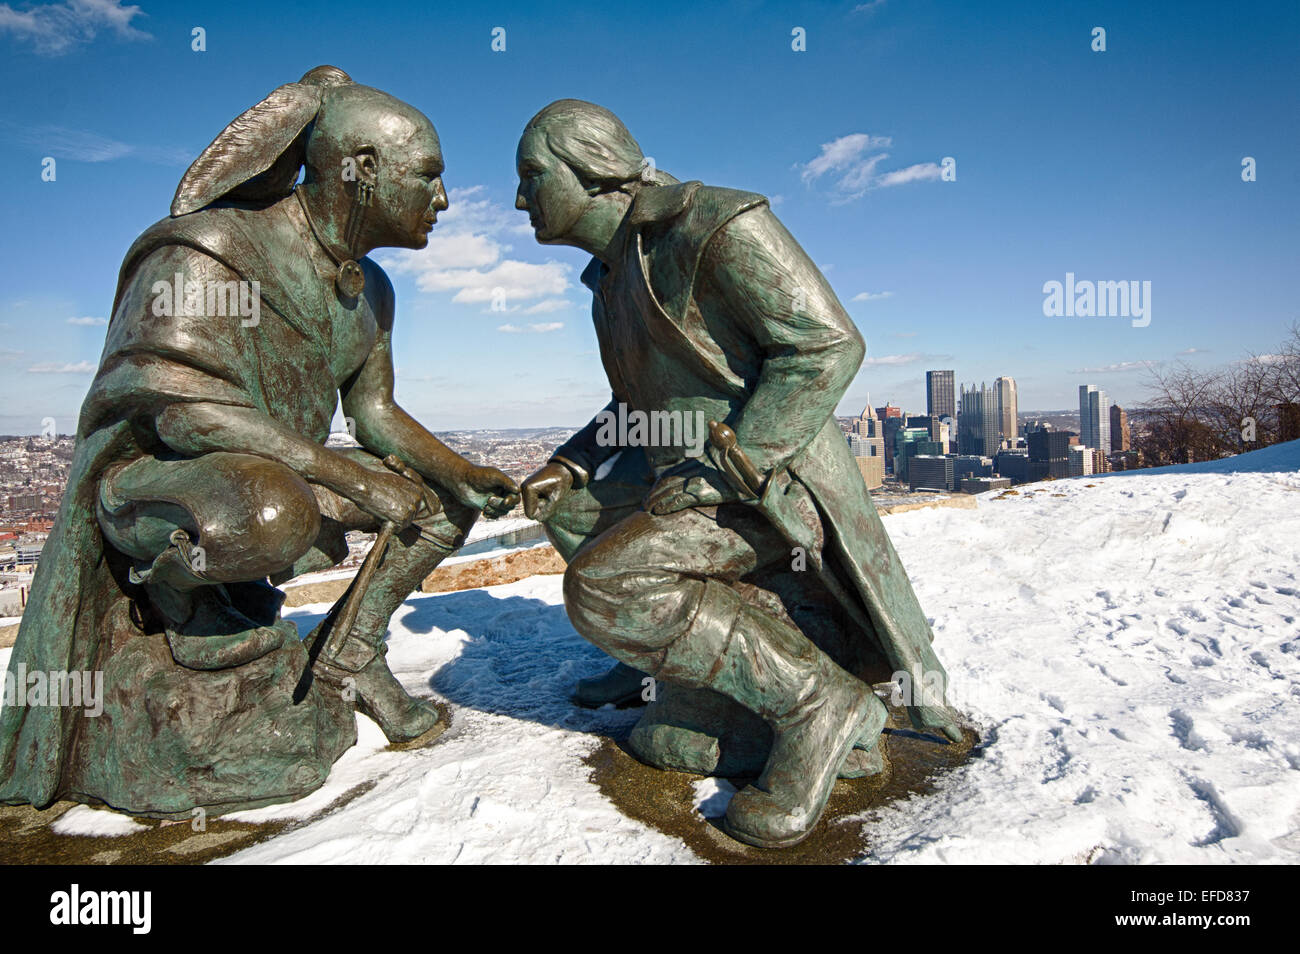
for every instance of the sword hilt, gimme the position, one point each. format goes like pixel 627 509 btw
pixel 736 465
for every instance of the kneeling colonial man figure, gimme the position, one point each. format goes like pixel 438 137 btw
pixel 707 310
pixel 201 479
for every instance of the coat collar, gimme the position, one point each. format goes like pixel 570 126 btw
pixel 660 203
pixel 652 204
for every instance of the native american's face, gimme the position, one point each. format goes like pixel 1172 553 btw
pixel 409 192
pixel 548 190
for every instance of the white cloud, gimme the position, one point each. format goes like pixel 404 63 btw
pixel 917 173
pixel 843 154
pixel 53 367
pixel 510 279
pixel 462 250
pixel 538 329
pixel 550 304
pixel 466 256
pixel 79 145
pixel 872 296
pixel 1118 368
pixel 88 322
pixel 1267 359
pixel 854 161
pixel 55 28
pixel 63 143
pixel 887 360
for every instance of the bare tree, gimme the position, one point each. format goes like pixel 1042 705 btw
pixel 1193 414
pixel 1281 384
pixel 1178 426
pixel 1241 409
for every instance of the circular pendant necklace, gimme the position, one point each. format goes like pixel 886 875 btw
pixel 350 279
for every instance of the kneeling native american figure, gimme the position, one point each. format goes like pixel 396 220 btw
pixel 201 478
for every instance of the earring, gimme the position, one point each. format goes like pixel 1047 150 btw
pixel 351 280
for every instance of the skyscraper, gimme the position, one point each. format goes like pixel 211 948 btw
pixel 977 422
pixel 1004 392
pixel 1121 438
pixel 940 400
pixel 1081 459
pixel 909 441
pixel 1094 418
pixel 930 471
pixel 1049 454
pixel 891 419
pixel 869 431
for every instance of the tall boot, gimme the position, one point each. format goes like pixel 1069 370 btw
pixel 817 711
pixel 623 686
pixel 359 666
pixel 360 670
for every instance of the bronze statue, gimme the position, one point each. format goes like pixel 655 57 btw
pixel 201 479
pixel 750 576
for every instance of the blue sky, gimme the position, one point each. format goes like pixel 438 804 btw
pixel 1120 165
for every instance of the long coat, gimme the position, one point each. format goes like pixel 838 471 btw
pixel 280 367
pixel 712 305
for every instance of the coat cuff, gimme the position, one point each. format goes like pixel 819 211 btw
pixel 581 476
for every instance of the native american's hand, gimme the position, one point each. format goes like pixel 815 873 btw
pixel 544 490
pixel 486 489
pixel 392 497
pixel 690 484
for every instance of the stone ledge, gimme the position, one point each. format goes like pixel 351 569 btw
pixel 960 501
pixel 469 575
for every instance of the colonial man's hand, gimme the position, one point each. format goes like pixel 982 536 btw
pixel 690 484
pixel 486 489
pixel 544 490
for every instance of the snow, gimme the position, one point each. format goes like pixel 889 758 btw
pixel 84 820
pixel 1127 647
pixel 712 796
pixel 1131 653
pixel 507 783
pixel 1277 458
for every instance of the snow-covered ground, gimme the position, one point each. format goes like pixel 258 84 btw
pixel 507 783
pixel 1128 646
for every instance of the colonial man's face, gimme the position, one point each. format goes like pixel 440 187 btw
pixel 548 190
pixel 409 192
